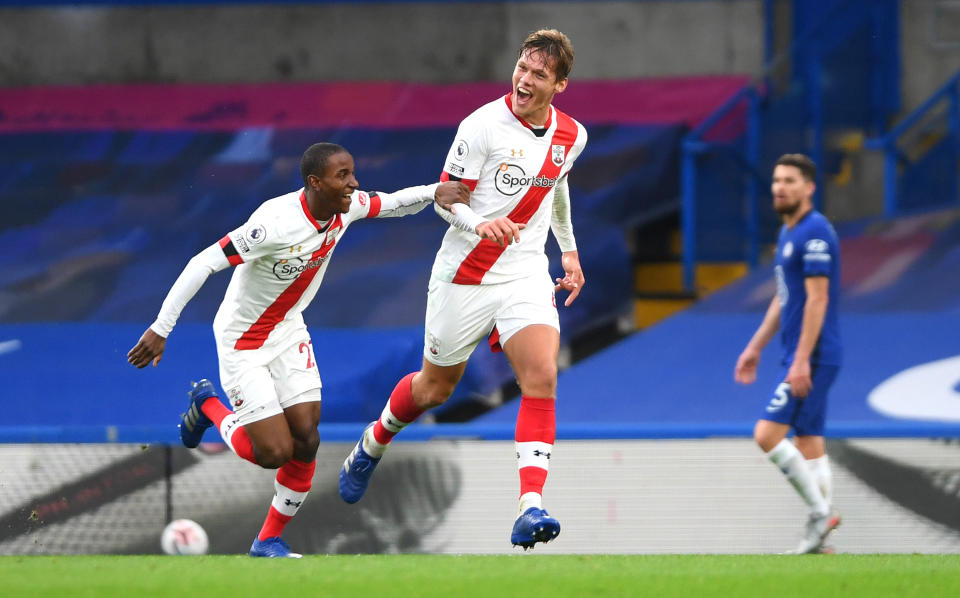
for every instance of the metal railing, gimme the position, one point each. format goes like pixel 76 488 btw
pixel 895 160
pixel 694 144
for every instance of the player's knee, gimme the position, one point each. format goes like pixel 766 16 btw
pixel 764 438
pixel 433 397
pixel 305 446
pixel 273 455
pixel 540 381
pixel 433 394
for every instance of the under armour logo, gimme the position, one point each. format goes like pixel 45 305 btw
pixel 539 453
pixel 292 503
pixel 516 153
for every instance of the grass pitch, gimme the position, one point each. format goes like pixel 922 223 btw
pixel 815 576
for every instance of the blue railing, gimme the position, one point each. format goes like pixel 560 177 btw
pixel 895 161
pixel 695 145
pixel 810 59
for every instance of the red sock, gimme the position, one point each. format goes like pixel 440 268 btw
pixel 215 410
pixel 400 411
pixel 234 435
pixel 292 484
pixel 535 435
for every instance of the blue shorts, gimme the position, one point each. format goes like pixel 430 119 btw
pixel 805 416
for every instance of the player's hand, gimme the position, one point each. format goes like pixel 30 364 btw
pixel 451 192
pixel 799 379
pixel 573 279
pixel 149 349
pixel 746 370
pixel 501 231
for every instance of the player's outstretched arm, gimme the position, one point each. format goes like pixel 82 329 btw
pixel 148 350
pixel 450 193
pixel 573 279
pixel 501 231
pixel 411 200
pixel 150 347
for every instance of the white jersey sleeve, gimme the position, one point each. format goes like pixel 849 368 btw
pixel 261 235
pixel 404 202
pixel 196 272
pixel 461 216
pixel 467 155
pixel 560 223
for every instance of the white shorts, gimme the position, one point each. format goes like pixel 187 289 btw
pixel 263 382
pixel 459 316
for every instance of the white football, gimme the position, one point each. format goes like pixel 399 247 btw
pixel 184 536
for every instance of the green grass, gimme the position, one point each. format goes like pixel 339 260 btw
pixel 530 576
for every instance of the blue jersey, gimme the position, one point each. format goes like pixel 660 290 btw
pixel 810 248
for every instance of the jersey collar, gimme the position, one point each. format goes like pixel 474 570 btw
pixel 321 227
pixel 546 126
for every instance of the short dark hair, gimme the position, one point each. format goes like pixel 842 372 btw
pixel 314 160
pixel 553 44
pixel 800 161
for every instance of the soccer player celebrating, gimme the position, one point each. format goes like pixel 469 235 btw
pixel 267 365
pixel 805 310
pixel 514 153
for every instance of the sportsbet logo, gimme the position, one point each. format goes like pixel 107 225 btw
pixel 290 269
pixel 510 179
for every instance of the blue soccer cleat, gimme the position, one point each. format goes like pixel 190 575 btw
pixel 273 548
pixel 356 471
pixel 535 525
pixel 194 423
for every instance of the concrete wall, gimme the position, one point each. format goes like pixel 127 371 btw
pixel 423 42
pixel 459 497
pixel 930 42
pixel 428 42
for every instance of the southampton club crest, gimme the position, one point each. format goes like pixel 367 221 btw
pixel 558 154
pixel 235 395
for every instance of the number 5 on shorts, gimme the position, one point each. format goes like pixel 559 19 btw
pixel 780 398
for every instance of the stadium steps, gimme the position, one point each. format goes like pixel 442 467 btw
pixel 658 274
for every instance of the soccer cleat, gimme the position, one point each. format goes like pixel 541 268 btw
pixel 535 525
pixel 817 530
pixel 356 471
pixel 194 423
pixel 274 548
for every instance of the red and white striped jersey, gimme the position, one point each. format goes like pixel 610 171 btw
pixel 281 254
pixel 512 169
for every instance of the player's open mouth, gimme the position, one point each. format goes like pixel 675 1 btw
pixel 523 95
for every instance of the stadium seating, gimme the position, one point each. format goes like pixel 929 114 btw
pixel 97 221
pixel 899 310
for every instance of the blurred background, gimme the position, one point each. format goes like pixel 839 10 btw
pixel 135 133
